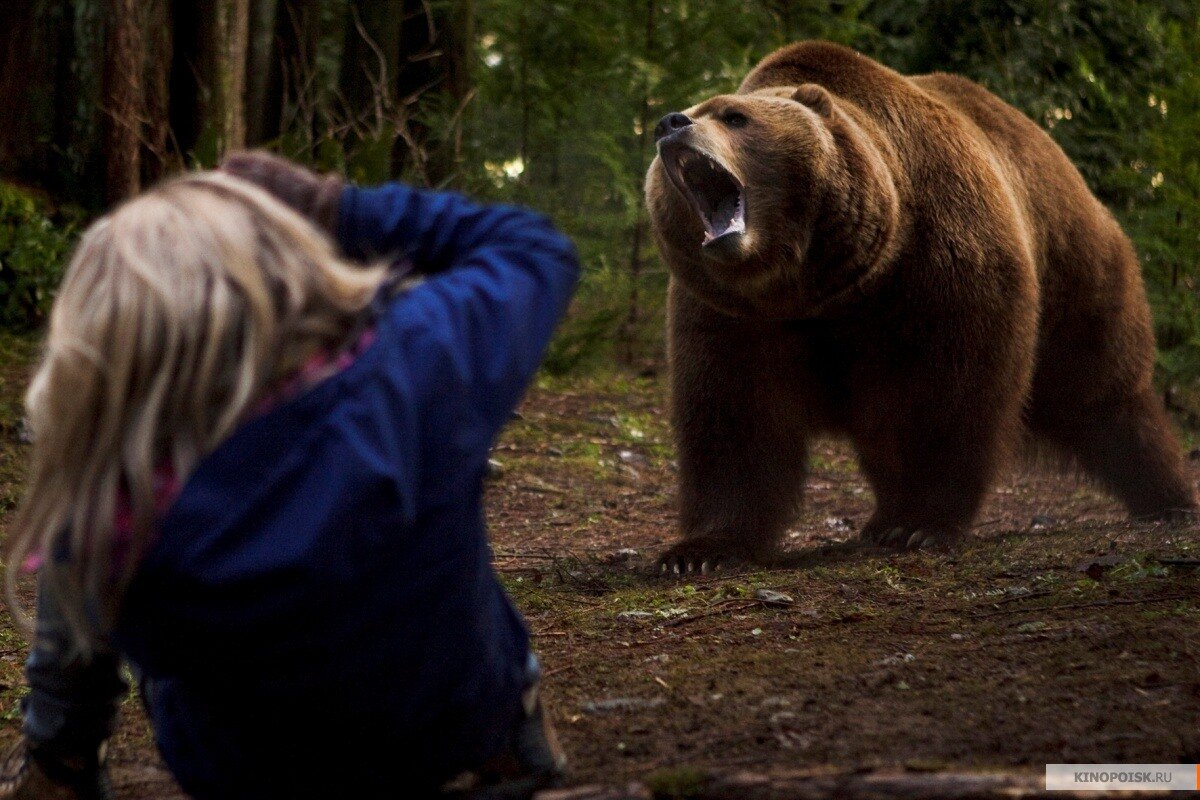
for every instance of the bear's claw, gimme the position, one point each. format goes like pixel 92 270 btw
pixel 682 565
pixel 900 538
pixel 699 556
pixel 1183 517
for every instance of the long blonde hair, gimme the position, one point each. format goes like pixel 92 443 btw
pixel 178 311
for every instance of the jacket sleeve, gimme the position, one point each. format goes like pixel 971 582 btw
pixel 500 281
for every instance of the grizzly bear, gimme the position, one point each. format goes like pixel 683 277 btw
pixel 908 262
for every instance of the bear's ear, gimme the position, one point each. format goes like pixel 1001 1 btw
pixel 815 97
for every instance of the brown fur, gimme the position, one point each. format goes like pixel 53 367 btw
pixel 925 273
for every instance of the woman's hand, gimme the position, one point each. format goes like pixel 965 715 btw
pixel 314 196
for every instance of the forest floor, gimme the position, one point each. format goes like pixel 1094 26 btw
pixel 1058 633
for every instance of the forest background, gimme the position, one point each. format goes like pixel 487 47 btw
pixel 551 103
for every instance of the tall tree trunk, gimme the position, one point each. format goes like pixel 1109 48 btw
pixel 17 69
pixel 185 87
pixel 526 100
pixel 258 69
pixel 420 72
pixel 226 46
pixel 33 59
pixel 297 32
pixel 371 58
pixel 84 105
pixel 633 316
pixel 368 87
pixel 208 77
pixel 157 156
pixel 457 44
pixel 123 101
pixel 405 64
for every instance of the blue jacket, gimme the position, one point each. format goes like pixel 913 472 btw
pixel 320 616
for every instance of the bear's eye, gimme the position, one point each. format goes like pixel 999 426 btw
pixel 734 119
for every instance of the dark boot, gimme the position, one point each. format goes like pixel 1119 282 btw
pixel 535 761
pixel 35 773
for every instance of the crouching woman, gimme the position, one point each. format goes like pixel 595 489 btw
pixel 257 478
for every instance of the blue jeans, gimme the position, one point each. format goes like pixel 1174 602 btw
pixel 72 703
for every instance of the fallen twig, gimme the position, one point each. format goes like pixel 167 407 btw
pixel 550 673
pixel 1012 598
pixel 1068 606
pixel 730 609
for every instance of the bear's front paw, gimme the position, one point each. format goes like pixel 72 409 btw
pixel 898 537
pixel 1185 517
pixel 702 554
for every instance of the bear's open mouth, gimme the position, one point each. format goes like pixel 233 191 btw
pixel 716 195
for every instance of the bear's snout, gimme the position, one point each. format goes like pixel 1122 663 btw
pixel 671 123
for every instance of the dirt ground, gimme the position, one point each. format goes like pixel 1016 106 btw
pixel 1058 633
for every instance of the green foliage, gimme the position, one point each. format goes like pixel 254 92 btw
pixel 1165 220
pixel 1117 84
pixel 568 95
pixel 33 251
pixel 566 90
pixel 1084 69
pixel 565 95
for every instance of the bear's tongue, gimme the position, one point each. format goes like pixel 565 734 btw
pixel 728 217
pixel 716 196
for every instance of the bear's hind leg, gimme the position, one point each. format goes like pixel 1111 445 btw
pixel 928 487
pixel 1128 445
